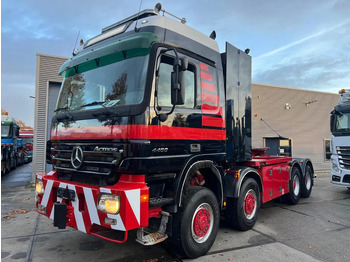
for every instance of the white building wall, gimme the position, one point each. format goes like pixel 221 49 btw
pixel 306 121
pixel 47 67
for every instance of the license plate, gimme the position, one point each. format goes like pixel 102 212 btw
pixel 66 193
pixel 60 215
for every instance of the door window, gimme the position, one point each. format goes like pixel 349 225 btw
pixel 164 84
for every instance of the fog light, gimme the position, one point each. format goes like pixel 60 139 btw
pixel 336 178
pixel 110 221
pixel 37 198
pixel 39 186
pixel 109 203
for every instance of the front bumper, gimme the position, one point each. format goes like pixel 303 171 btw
pixel 340 179
pixel 81 211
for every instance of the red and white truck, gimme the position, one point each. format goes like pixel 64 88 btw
pixel 152 132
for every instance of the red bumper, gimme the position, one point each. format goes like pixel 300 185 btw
pixel 82 213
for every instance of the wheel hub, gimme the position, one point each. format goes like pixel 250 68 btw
pixel 201 222
pixel 249 204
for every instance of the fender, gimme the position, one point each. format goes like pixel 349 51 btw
pixel 232 187
pixel 197 162
pixel 302 164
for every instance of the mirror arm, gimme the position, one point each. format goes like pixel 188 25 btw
pixel 164 116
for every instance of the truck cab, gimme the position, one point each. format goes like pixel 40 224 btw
pixel 9 143
pixel 340 143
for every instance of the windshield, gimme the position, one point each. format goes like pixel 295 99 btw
pixel 342 123
pixel 27 140
pixel 114 80
pixel 5 131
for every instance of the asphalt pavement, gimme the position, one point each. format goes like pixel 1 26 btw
pixel 317 229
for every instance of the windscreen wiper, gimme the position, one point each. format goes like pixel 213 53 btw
pixel 94 103
pixel 61 108
pixel 107 110
pixel 64 117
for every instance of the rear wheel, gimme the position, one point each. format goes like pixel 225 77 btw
pixel 195 226
pixel 292 198
pixel 242 212
pixel 306 183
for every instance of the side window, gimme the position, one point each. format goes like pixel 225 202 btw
pixel 164 83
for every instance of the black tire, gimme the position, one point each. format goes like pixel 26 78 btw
pixel 292 198
pixel 242 212
pixel 193 233
pixel 307 182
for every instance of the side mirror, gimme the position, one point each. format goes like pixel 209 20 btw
pixel 178 81
pixel 332 122
pixel 48 152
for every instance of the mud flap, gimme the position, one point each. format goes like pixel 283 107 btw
pixel 60 215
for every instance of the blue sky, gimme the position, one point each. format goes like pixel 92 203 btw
pixel 301 43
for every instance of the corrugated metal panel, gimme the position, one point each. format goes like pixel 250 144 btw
pixel 47 67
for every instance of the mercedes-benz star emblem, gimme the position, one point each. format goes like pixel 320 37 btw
pixel 77 157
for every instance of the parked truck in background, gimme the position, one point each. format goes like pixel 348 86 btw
pixel 26 136
pixel 152 132
pixel 340 142
pixel 11 147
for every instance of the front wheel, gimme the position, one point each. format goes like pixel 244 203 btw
pixel 292 198
pixel 195 227
pixel 242 212
pixel 306 182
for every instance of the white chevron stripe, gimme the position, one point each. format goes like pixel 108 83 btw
pixel 47 193
pixel 59 199
pixel 77 214
pixel 91 205
pixel 134 200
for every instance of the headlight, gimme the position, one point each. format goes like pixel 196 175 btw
pixel 39 186
pixel 335 167
pixel 109 203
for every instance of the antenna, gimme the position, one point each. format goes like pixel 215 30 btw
pixel 136 30
pixel 262 120
pixel 73 53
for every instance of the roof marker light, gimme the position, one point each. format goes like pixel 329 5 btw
pixel 108 34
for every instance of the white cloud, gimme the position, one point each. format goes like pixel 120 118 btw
pixel 298 42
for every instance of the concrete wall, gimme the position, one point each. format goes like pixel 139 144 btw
pixel 306 121
pixel 47 67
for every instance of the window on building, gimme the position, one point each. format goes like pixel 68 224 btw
pixel 279 146
pixel 327 149
pixel 164 83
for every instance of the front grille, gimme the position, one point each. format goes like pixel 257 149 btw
pixel 94 162
pixel 344 156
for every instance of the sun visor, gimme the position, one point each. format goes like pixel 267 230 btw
pixel 139 40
